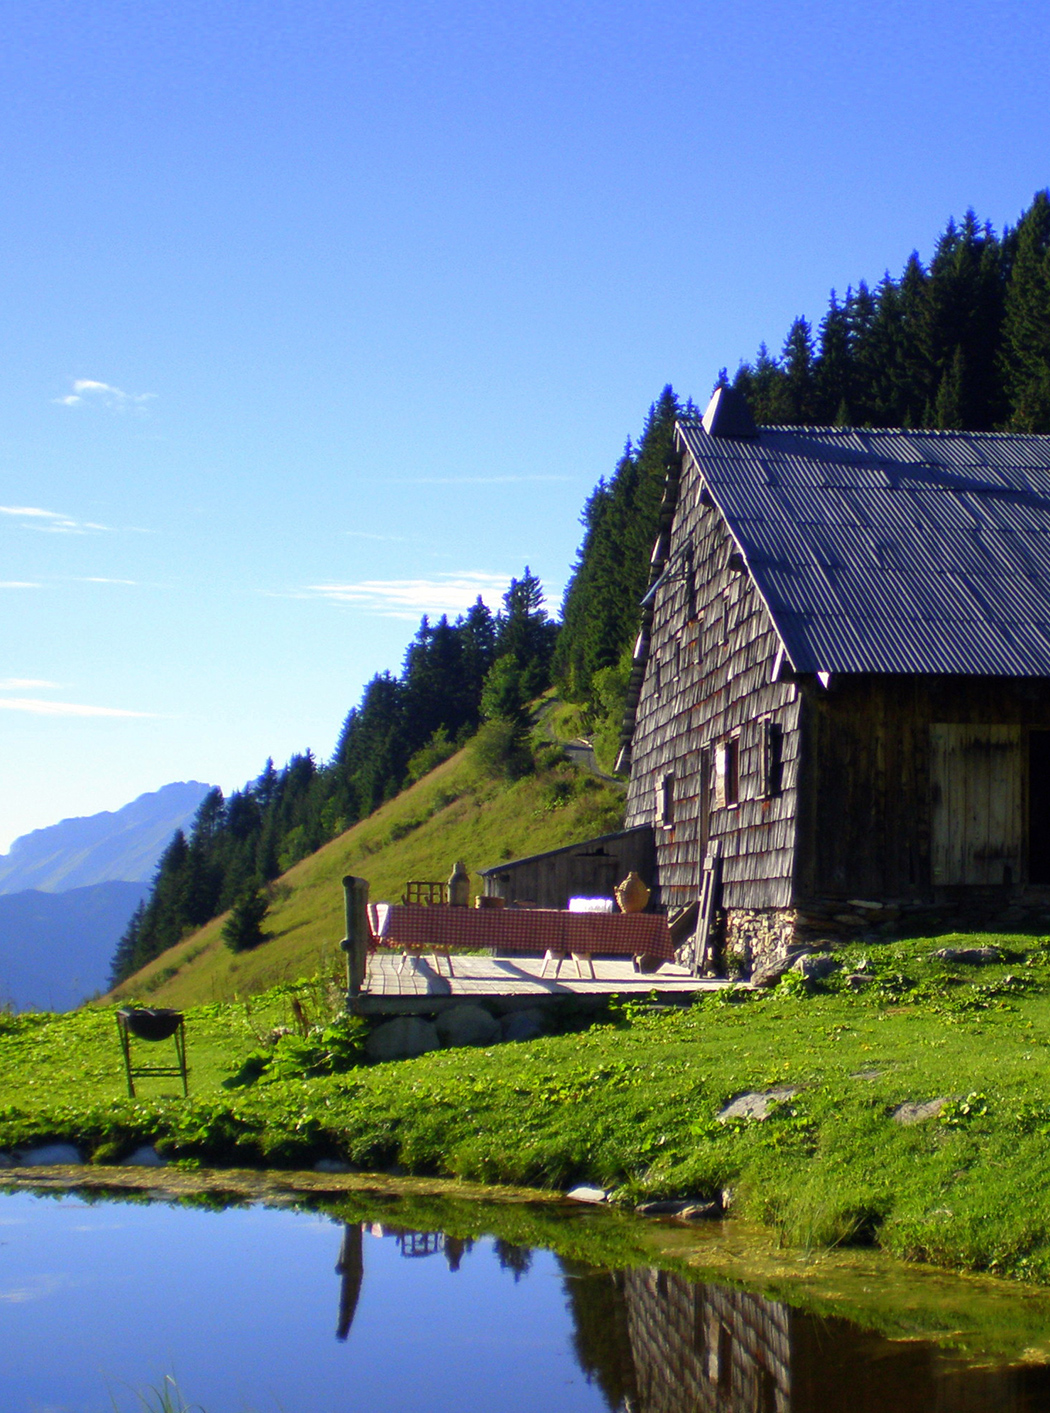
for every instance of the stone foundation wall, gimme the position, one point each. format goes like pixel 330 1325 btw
pixel 760 940
pixel 757 938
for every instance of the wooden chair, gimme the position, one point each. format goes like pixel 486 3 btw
pixel 425 894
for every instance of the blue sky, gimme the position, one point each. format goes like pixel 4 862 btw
pixel 319 316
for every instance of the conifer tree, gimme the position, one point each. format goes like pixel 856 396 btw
pixel 1025 358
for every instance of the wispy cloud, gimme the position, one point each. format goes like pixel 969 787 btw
pixel 38 1288
pixel 99 579
pixel 18 584
pixel 35 517
pixel 88 391
pixel 408 598
pixel 36 707
pixel 25 684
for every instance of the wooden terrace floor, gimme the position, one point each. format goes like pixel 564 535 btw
pixel 423 985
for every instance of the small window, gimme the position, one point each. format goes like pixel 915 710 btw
pixel 727 772
pixel 690 587
pixel 773 772
pixel 665 802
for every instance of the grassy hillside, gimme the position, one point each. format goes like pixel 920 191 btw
pixel 465 809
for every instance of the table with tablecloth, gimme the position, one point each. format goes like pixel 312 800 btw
pixel 438 928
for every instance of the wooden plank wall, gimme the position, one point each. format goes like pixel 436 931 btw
pixel 589 869
pixel 867 806
pixel 708 678
pixel 976 804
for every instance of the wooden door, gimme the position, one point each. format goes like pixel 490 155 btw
pixel 977 780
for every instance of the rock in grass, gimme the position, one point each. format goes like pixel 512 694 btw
pixel 969 956
pixel 769 972
pixel 145 1156
pixel 755 1105
pixel 50 1155
pixel 467 1025
pixel 917 1113
pixel 331 1165
pixel 584 1193
pixel 523 1025
pixel 401 1039
pixel 816 966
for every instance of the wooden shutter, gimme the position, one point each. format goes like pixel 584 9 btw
pixel 977 790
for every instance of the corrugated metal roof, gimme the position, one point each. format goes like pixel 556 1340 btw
pixel 892 551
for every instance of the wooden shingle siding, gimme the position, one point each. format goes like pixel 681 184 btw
pixel 708 679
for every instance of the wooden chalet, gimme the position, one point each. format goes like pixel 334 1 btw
pixel 842 682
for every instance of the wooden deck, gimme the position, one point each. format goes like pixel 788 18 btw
pixel 421 987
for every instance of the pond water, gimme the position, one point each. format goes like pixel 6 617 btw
pixel 262 1309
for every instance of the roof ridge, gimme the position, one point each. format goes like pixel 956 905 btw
pixel 696 420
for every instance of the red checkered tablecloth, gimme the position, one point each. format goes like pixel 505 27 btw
pixel 417 928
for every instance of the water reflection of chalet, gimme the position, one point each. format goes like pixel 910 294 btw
pixel 701 1348
pixel 654 1341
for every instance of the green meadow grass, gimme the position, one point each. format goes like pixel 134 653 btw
pixel 632 1104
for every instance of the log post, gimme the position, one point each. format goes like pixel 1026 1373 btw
pixel 358 932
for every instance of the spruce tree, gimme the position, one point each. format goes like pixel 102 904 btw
pixel 1025 358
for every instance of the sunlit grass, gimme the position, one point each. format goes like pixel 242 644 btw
pixel 633 1105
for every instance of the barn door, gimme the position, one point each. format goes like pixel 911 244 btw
pixel 1039 807
pixel 977 784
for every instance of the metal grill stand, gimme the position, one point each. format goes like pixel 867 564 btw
pixel 152 1025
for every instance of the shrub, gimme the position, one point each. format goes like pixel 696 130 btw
pixel 243 930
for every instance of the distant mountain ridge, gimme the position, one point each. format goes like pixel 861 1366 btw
pixel 113 846
pixel 55 947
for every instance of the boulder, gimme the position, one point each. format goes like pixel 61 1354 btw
pixel 917 1113
pixel 969 956
pixel 467 1025
pixel 757 1104
pixel 586 1193
pixel 50 1155
pixel 523 1025
pixel 769 972
pixel 331 1165
pixel 814 966
pixel 145 1156
pixel 401 1039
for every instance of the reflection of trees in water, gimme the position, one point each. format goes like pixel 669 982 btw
pixel 513 1258
pixel 600 1335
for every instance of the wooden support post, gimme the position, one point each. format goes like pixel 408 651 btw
pixel 358 932
pixel 710 884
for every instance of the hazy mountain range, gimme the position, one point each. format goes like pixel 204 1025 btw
pixel 68 891
pixel 114 846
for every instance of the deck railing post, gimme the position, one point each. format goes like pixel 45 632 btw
pixel 355 943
